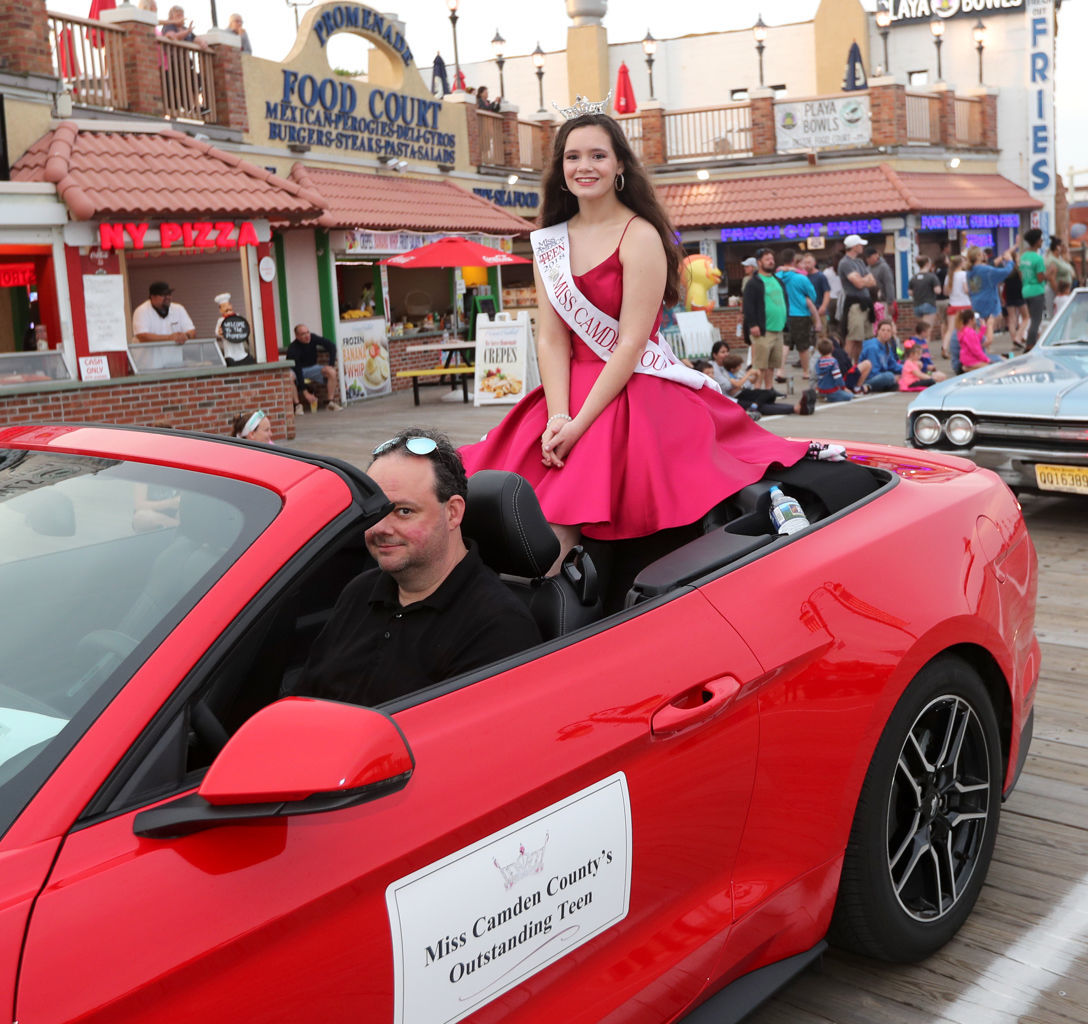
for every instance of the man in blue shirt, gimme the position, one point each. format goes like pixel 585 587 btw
pixel 881 354
pixel 801 306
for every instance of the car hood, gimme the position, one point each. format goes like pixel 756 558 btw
pixel 1045 382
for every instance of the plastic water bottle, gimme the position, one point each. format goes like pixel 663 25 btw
pixel 787 515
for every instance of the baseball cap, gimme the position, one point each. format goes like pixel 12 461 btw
pixel 160 288
pixel 851 240
pixel 750 262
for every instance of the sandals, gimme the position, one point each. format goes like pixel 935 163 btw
pixel 778 379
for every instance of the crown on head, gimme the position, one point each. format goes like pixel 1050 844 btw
pixel 583 106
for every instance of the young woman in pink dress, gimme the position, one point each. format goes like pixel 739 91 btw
pixel 613 448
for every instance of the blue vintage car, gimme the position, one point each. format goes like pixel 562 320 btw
pixel 1025 418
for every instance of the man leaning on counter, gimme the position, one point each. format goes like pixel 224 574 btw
pixel 158 319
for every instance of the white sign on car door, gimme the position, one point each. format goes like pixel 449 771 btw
pixel 478 922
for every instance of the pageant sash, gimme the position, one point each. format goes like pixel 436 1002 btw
pixel 551 248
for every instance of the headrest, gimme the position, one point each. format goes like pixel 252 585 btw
pixel 504 518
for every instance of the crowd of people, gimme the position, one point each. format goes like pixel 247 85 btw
pixel 849 314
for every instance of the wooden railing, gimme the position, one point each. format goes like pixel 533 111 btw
pixel 923 119
pixel 188 91
pixel 490 128
pixel 88 57
pixel 968 122
pixel 632 128
pixel 531 146
pixel 709 132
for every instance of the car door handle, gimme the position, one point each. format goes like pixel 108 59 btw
pixel 694 705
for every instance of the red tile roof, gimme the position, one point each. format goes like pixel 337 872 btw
pixel 865 191
pixel 388 202
pixel 157 174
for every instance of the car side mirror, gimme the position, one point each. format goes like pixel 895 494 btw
pixel 297 756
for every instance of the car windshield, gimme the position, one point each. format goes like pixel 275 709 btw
pixel 99 560
pixel 1070 326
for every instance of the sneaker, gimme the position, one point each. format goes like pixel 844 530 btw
pixel 299 410
pixel 808 402
pixel 754 413
pixel 334 406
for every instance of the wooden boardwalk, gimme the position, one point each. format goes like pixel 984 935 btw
pixel 1023 954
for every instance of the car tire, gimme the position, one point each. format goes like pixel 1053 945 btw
pixel 926 819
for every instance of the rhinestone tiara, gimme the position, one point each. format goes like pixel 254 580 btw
pixel 583 106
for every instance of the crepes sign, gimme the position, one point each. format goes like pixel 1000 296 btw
pixel 476 924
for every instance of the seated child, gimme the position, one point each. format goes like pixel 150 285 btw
pixel 920 337
pixel 972 351
pixel 763 400
pixel 913 376
pixel 853 375
pixel 829 379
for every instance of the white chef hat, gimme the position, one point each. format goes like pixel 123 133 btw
pixel 221 298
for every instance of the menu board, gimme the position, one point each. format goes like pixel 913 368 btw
pixel 364 358
pixel 104 311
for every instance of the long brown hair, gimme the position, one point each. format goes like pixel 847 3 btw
pixel 637 195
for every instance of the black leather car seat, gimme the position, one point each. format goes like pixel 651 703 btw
pixel 503 517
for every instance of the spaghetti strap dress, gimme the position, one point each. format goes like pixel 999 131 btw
pixel 659 455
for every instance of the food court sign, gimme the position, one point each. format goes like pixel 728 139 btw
pixel 823 123
pixel 331 113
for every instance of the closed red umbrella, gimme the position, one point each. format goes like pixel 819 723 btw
pixel 454 251
pixel 97 7
pixel 625 92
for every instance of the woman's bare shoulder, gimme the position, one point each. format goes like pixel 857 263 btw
pixel 641 239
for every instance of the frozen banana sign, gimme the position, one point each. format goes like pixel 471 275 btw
pixel 475 924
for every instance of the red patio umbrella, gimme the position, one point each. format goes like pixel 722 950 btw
pixel 624 102
pixel 454 251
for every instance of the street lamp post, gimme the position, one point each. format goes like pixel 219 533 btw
pixel 649 47
pixel 759 30
pixel 936 26
pixel 498 44
pixel 452 5
pixel 296 4
pixel 979 32
pixel 883 23
pixel 538 60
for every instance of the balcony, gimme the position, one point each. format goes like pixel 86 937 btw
pixel 188 88
pixel 88 57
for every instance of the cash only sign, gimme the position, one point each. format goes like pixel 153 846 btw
pixel 346 116
pixel 477 923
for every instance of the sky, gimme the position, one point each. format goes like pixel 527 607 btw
pixel 271 28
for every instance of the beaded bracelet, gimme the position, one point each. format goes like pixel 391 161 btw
pixel 560 416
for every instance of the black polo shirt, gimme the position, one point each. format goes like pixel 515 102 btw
pixel 374 650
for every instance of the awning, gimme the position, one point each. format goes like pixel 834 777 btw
pixel 391 202
pixel 845 194
pixel 157 175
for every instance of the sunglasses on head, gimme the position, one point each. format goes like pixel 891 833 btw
pixel 414 445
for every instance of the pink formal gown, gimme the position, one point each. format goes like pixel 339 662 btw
pixel 660 454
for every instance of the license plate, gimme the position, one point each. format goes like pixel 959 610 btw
pixel 1071 479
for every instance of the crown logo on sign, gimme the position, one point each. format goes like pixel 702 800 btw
pixel 526 864
pixel 583 106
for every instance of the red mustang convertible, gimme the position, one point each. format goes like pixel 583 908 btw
pixel 731 748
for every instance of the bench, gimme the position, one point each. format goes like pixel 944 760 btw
pixel 433 375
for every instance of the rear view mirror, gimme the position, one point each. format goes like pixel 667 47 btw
pixel 297 756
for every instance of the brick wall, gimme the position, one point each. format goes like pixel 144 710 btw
pixel 763 135
pixel 888 107
pixel 143 69
pixel 654 150
pixel 230 88
pixel 24 48
pixel 206 401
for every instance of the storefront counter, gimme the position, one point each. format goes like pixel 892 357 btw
pixel 20 368
pixel 206 399
pixel 150 356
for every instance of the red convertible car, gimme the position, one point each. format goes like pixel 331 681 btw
pixel 731 747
